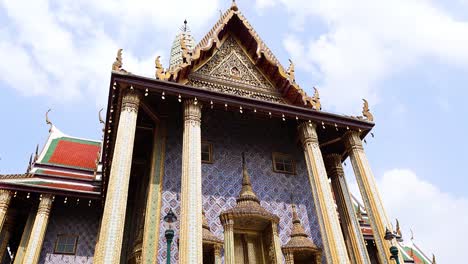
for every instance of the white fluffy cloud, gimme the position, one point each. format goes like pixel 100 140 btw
pixel 437 218
pixel 65 49
pixel 366 42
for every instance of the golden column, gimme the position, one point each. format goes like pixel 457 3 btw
pixel 5 198
pixel 113 220
pixel 33 250
pixel 356 247
pixel 369 193
pixel 190 237
pixel 25 237
pixel 332 237
pixel 228 225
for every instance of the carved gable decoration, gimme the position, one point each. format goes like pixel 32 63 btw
pixel 230 70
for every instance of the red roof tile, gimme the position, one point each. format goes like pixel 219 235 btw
pixel 73 153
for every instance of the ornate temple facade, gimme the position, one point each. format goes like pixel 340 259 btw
pixel 225 139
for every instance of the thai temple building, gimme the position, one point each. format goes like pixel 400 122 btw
pixel 221 157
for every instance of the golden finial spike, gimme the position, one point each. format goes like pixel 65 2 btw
pixel 366 111
pixel 36 156
pixel 48 121
pixel 433 259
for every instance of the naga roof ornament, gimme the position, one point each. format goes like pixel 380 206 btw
pixel 117 65
pixel 366 111
pixel 161 73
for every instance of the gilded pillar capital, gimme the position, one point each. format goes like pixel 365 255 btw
pixel 130 101
pixel 5 198
pixel 227 222
pixel 333 165
pixel 307 133
pixel 45 204
pixel 192 112
pixel 352 140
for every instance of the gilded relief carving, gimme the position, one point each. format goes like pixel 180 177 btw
pixel 231 71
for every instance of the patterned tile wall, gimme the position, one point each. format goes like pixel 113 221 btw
pixel 258 138
pixel 69 219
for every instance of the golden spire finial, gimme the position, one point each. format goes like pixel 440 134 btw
pixel 29 164
pixel 48 121
pixel 366 111
pixel 246 191
pixel 234 6
pixel 433 259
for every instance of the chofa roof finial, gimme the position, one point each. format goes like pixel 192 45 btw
pixel 36 155
pixel 117 65
pixel 48 121
pixel 366 111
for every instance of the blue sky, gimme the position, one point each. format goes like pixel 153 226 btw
pixel 409 58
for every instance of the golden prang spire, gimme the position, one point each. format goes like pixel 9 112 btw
pixel 246 193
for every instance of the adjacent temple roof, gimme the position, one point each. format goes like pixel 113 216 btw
pixel 65 164
pixel 410 251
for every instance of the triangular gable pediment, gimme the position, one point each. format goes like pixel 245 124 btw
pixel 258 73
pixel 231 70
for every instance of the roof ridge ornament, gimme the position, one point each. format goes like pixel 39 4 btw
pixel 117 65
pixel 291 72
pixel 29 164
pixel 161 73
pixel 48 121
pixel 366 111
pixel 36 155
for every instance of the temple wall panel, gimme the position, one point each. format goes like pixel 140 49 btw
pixel 231 134
pixel 71 220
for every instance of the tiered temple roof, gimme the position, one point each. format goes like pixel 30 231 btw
pixel 66 164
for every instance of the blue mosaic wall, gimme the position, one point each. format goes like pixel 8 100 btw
pixel 231 134
pixel 69 219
